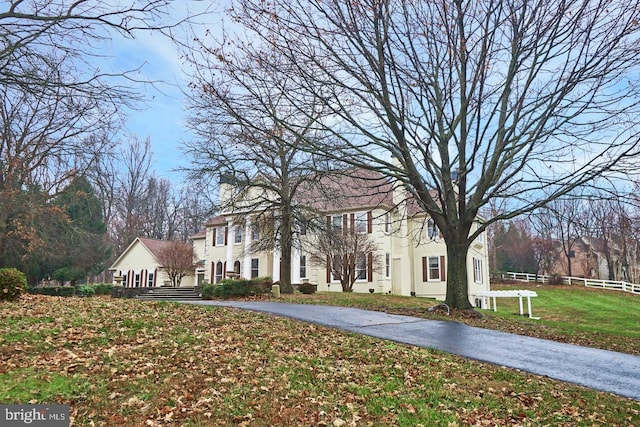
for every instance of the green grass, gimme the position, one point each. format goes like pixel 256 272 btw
pixel 139 363
pixel 27 384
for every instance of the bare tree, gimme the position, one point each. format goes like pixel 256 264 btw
pixel 611 231
pixel 45 141
pixel 564 220
pixel 544 252
pixel 474 100
pixel 236 111
pixel 131 193
pixel 57 98
pixel 602 228
pixel 177 260
pixel 73 31
pixel 347 255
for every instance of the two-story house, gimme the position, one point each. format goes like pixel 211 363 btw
pixel 411 254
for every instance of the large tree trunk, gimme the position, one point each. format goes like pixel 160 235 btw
pixel 285 250
pixel 285 266
pixel 457 279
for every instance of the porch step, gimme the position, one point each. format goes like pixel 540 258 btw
pixel 171 294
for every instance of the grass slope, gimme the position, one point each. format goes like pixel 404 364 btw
pixel 135 363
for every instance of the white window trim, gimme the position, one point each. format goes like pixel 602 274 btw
pixel 477 270
pixel 365 269
pixel 218 276
pixel 360 220
pixel 387 265
pixel 432 230
pixel 237 231
pixel 257 269
pixel 255 232
pixel 303 265
pixel 220 236
pixel 429 278
pixel 340 224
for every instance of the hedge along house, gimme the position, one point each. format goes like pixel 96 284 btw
pixel 139 265
pixel 410 253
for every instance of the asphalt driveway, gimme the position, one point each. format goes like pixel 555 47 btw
pixel 602 370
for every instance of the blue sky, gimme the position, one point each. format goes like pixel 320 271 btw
pixel 163 117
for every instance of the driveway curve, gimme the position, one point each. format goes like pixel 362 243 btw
pixel 602 370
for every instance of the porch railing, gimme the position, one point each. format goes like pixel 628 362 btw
pixel 617 285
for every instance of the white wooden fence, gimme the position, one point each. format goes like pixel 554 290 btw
pixel 590 283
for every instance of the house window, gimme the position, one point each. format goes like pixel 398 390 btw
pixel 220 233
pixel 236 267
pixel 124 278
pixel 433 268
pixel 387 222
pixel 432 229
pixel 254 268
pixel 136 280
pixel 336 223
pixel 387 265
pixel 237 234
pixel 303 266
pixel 302 227
pixel 360 222
pixel 480 236
pixel 150 279
pixel 218 272
pixel 361 267
pixel 255 233
pixel 477 270
pixel 336 268
pixel 572 254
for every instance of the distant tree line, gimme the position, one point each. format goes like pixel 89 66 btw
pixel 586 233
pixel 70 197
pixel 74 234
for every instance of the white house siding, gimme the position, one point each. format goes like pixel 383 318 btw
pixel 402 254
pixel 478 250
pixel 220 254
pixel 138 260
pixel 199 251
pixel 406 242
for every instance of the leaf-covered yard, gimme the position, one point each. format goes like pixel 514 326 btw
pixel 127 362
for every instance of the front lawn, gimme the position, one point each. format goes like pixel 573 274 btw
pixel 137 363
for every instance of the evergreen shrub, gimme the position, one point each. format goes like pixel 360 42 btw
pixel 307 288
pixel 13 283
pixel 86 290
pixel 236 288
pixel 103 288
